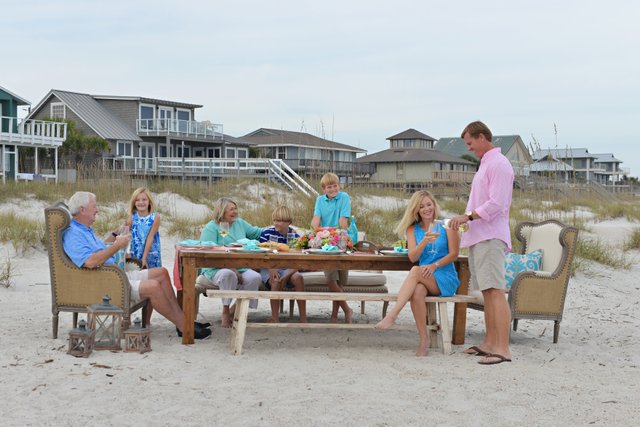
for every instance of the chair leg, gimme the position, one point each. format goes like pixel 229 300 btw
pixel 281 306
pixel 361 307
pixel 515 324
pixel 145 310
pixel 54 325
pixel 291 306
pixel 385 306
pixel 556 331
pixel 75 319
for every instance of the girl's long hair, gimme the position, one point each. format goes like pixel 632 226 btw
pixel 411 214
pixel 134 196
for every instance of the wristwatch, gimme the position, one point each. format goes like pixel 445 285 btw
pixel 469 215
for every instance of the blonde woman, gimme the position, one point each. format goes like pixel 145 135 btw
pixel 435 273
pixel 234 228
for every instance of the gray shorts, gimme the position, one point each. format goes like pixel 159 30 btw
pixel 486 265
pixel 135 278
pixel 341 276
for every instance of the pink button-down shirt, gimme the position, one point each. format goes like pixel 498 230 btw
pixel 490 198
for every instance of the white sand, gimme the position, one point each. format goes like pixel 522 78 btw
pixel 320 377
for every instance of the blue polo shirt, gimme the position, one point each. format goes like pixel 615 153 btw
pixel 80 242
pixel 330 210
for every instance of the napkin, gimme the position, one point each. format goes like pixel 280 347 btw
pixel 251 247
pixel 197 243
pixel 329 248
pixel 400 249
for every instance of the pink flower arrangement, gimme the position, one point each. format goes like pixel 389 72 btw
pixel 314 239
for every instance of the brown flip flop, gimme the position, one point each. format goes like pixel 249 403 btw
pixel 475 351
pixel 500 358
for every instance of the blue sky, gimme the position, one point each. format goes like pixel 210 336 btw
pixel 354 71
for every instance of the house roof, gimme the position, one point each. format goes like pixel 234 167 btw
pixel 457 146
pixel 90 111
pixel 404 155
pixel 19 100
pixel 411 134
pixel 264 137
pixel 606 158
pixel 550 165
pixel 148 101
pixel 563 153
pixel 237 141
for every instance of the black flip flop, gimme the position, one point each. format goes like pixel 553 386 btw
pixel 478 351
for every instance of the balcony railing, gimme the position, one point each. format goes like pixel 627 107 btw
pixel 32 132
pixel 186 128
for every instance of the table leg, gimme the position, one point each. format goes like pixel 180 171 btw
pixel 432 324
pixel 460 309
pixel 239 326
pixel 188 299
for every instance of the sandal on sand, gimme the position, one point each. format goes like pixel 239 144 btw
pixel 475 351
pixel 500 358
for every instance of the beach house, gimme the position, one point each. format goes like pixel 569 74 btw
pixel 28 147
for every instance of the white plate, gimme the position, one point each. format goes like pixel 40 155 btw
pixel 250 251
pixel 393 253
pixel 321 252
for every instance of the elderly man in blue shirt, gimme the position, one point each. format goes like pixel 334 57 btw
pixel 86 250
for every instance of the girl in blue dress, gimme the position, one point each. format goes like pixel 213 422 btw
pixel 145 223
pixel 435 273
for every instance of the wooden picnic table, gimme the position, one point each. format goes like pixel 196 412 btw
pixel 192 259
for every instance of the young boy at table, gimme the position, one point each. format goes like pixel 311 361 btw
pixel 277 279
pixel 333 209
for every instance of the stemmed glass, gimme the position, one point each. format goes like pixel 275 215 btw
pixel 435 228
pixel 224 230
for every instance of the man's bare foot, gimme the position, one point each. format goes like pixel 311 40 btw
pixel 226 320
pixel 423 349
pixel 386 323
pixel 303 319
pixel 274 320
pixel 348 316
pixel 333 319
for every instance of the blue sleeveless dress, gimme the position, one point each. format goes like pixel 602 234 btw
pixel 140 227
pixel 446 276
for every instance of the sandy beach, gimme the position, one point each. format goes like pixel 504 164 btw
pixel 323 377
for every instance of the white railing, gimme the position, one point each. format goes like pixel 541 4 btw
pixel 179 127
pixel 274 169
pixel 32 132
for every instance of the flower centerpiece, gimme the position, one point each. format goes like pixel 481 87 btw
pixel 321 236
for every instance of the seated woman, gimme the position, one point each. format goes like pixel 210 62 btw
pixel 435 273
pixel 225 228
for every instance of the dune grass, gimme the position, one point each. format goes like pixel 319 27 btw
pixel 6 274
pixel 257 199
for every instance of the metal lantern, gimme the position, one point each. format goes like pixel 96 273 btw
pixel 137 338
pixel 81 340
pixel 105 319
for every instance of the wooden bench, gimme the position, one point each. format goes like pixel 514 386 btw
pixel 437 321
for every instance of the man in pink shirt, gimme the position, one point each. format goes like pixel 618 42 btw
pixel 488 240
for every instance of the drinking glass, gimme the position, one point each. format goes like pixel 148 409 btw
pixel 224 230
pixel 435 228
pixel 291 239
pixel 273 241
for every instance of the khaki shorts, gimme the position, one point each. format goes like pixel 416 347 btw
pixel 340 276
pixel 135 278
pixel 486 265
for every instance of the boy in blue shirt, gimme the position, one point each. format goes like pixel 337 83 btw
pixel 333 209
pixel 277 279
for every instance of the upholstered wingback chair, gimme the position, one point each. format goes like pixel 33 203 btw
pixel 541 294
pixel 73 288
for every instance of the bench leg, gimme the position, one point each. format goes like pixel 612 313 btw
pixel 445 331
pixel 361 307
pixel 239 326
pixel 385 306
pixel 432 324
pixel 291 305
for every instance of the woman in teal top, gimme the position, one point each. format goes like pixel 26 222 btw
pixel 226 211
pixel 435 273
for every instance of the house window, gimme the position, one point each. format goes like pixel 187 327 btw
pixel 184 117
pixel 281 153
pixel 400 171
pixel 230 153
pixel 187 151
pixel 58 110
pixel 146 116
pixel 243 153
pixel 162 151
pixel 125 149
